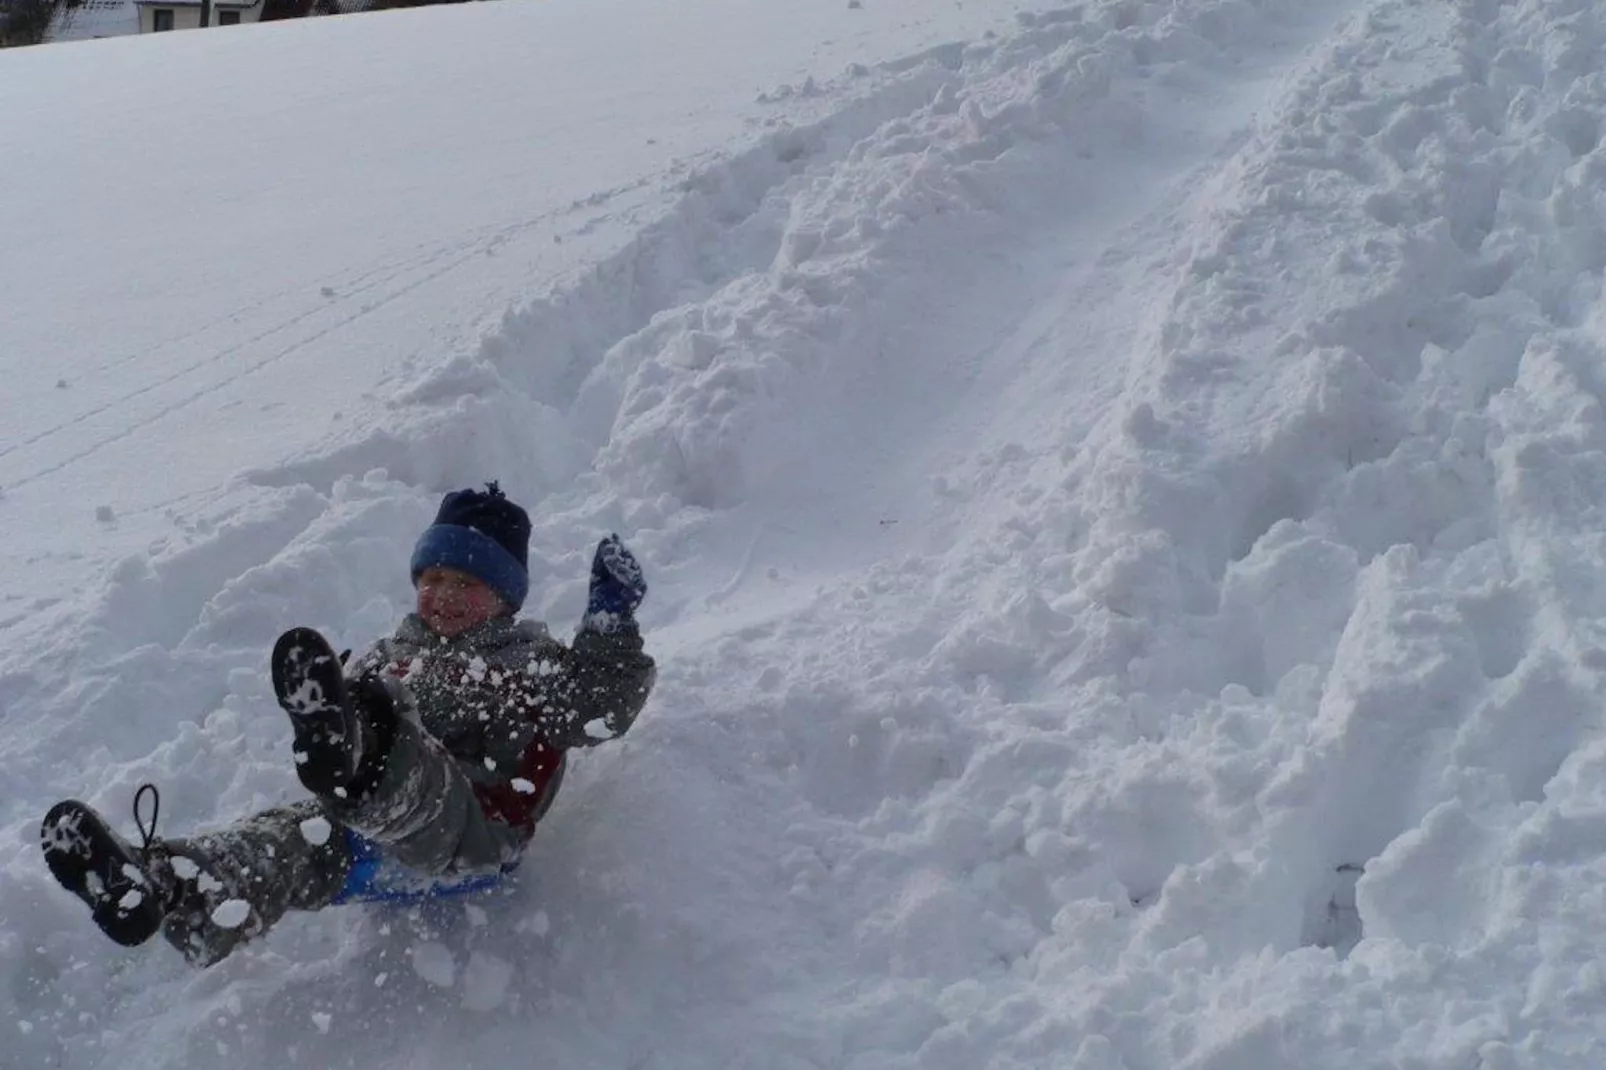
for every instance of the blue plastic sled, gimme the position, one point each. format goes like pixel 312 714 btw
pixel 377 879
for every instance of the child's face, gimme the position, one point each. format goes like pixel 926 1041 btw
pixel 451 602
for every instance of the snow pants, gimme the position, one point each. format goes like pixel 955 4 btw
pixel 423 815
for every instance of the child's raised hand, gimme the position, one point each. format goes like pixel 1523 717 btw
pixel 617 586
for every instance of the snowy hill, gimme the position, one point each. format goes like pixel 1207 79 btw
pixel 1122 485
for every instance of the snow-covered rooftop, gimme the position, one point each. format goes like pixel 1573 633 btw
pixel 95 18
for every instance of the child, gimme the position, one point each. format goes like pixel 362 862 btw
pixel 435 753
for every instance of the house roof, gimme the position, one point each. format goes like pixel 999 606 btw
pixel 94 18
pixel 236 5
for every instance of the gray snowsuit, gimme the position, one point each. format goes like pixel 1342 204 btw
pixel 477 756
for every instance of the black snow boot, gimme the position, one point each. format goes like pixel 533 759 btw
pixel 342 728
pixel 129 889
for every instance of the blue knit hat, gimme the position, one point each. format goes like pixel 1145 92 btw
pixel 483 534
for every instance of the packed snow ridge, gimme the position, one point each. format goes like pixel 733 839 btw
pixel 1123 495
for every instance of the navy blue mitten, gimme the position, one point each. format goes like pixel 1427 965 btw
pixel 617 587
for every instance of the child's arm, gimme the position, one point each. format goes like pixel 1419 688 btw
pixel 599 686
pixel 565 696
pixel 605 676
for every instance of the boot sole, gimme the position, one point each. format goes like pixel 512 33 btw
pixel 308 679
pixel 104 870
pixel 310 685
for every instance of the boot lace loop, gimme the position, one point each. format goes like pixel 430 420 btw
pixel 147 830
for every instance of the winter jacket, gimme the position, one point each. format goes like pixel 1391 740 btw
pixel 505 700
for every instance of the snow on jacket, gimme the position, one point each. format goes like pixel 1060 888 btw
pixel 506 700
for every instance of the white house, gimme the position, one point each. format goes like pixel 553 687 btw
pixel 156 16
pixel 112 18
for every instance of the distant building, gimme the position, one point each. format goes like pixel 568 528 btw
pixel 86 19
pixel 79 20
pixel 158 16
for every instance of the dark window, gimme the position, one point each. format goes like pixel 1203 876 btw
pixel 162 19
pixel 228 18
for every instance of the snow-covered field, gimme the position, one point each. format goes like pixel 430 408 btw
pixel 1122 485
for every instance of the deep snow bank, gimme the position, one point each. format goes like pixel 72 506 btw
pixel 353 200
pixel 1102 490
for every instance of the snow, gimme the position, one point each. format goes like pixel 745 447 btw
pixel 232 913
pixel 434 963
pixel 316 830
pixel 485 982
pixel 1121 488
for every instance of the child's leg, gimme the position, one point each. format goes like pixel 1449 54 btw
pixel 423 811
pixel 237 882
pixel 376 771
